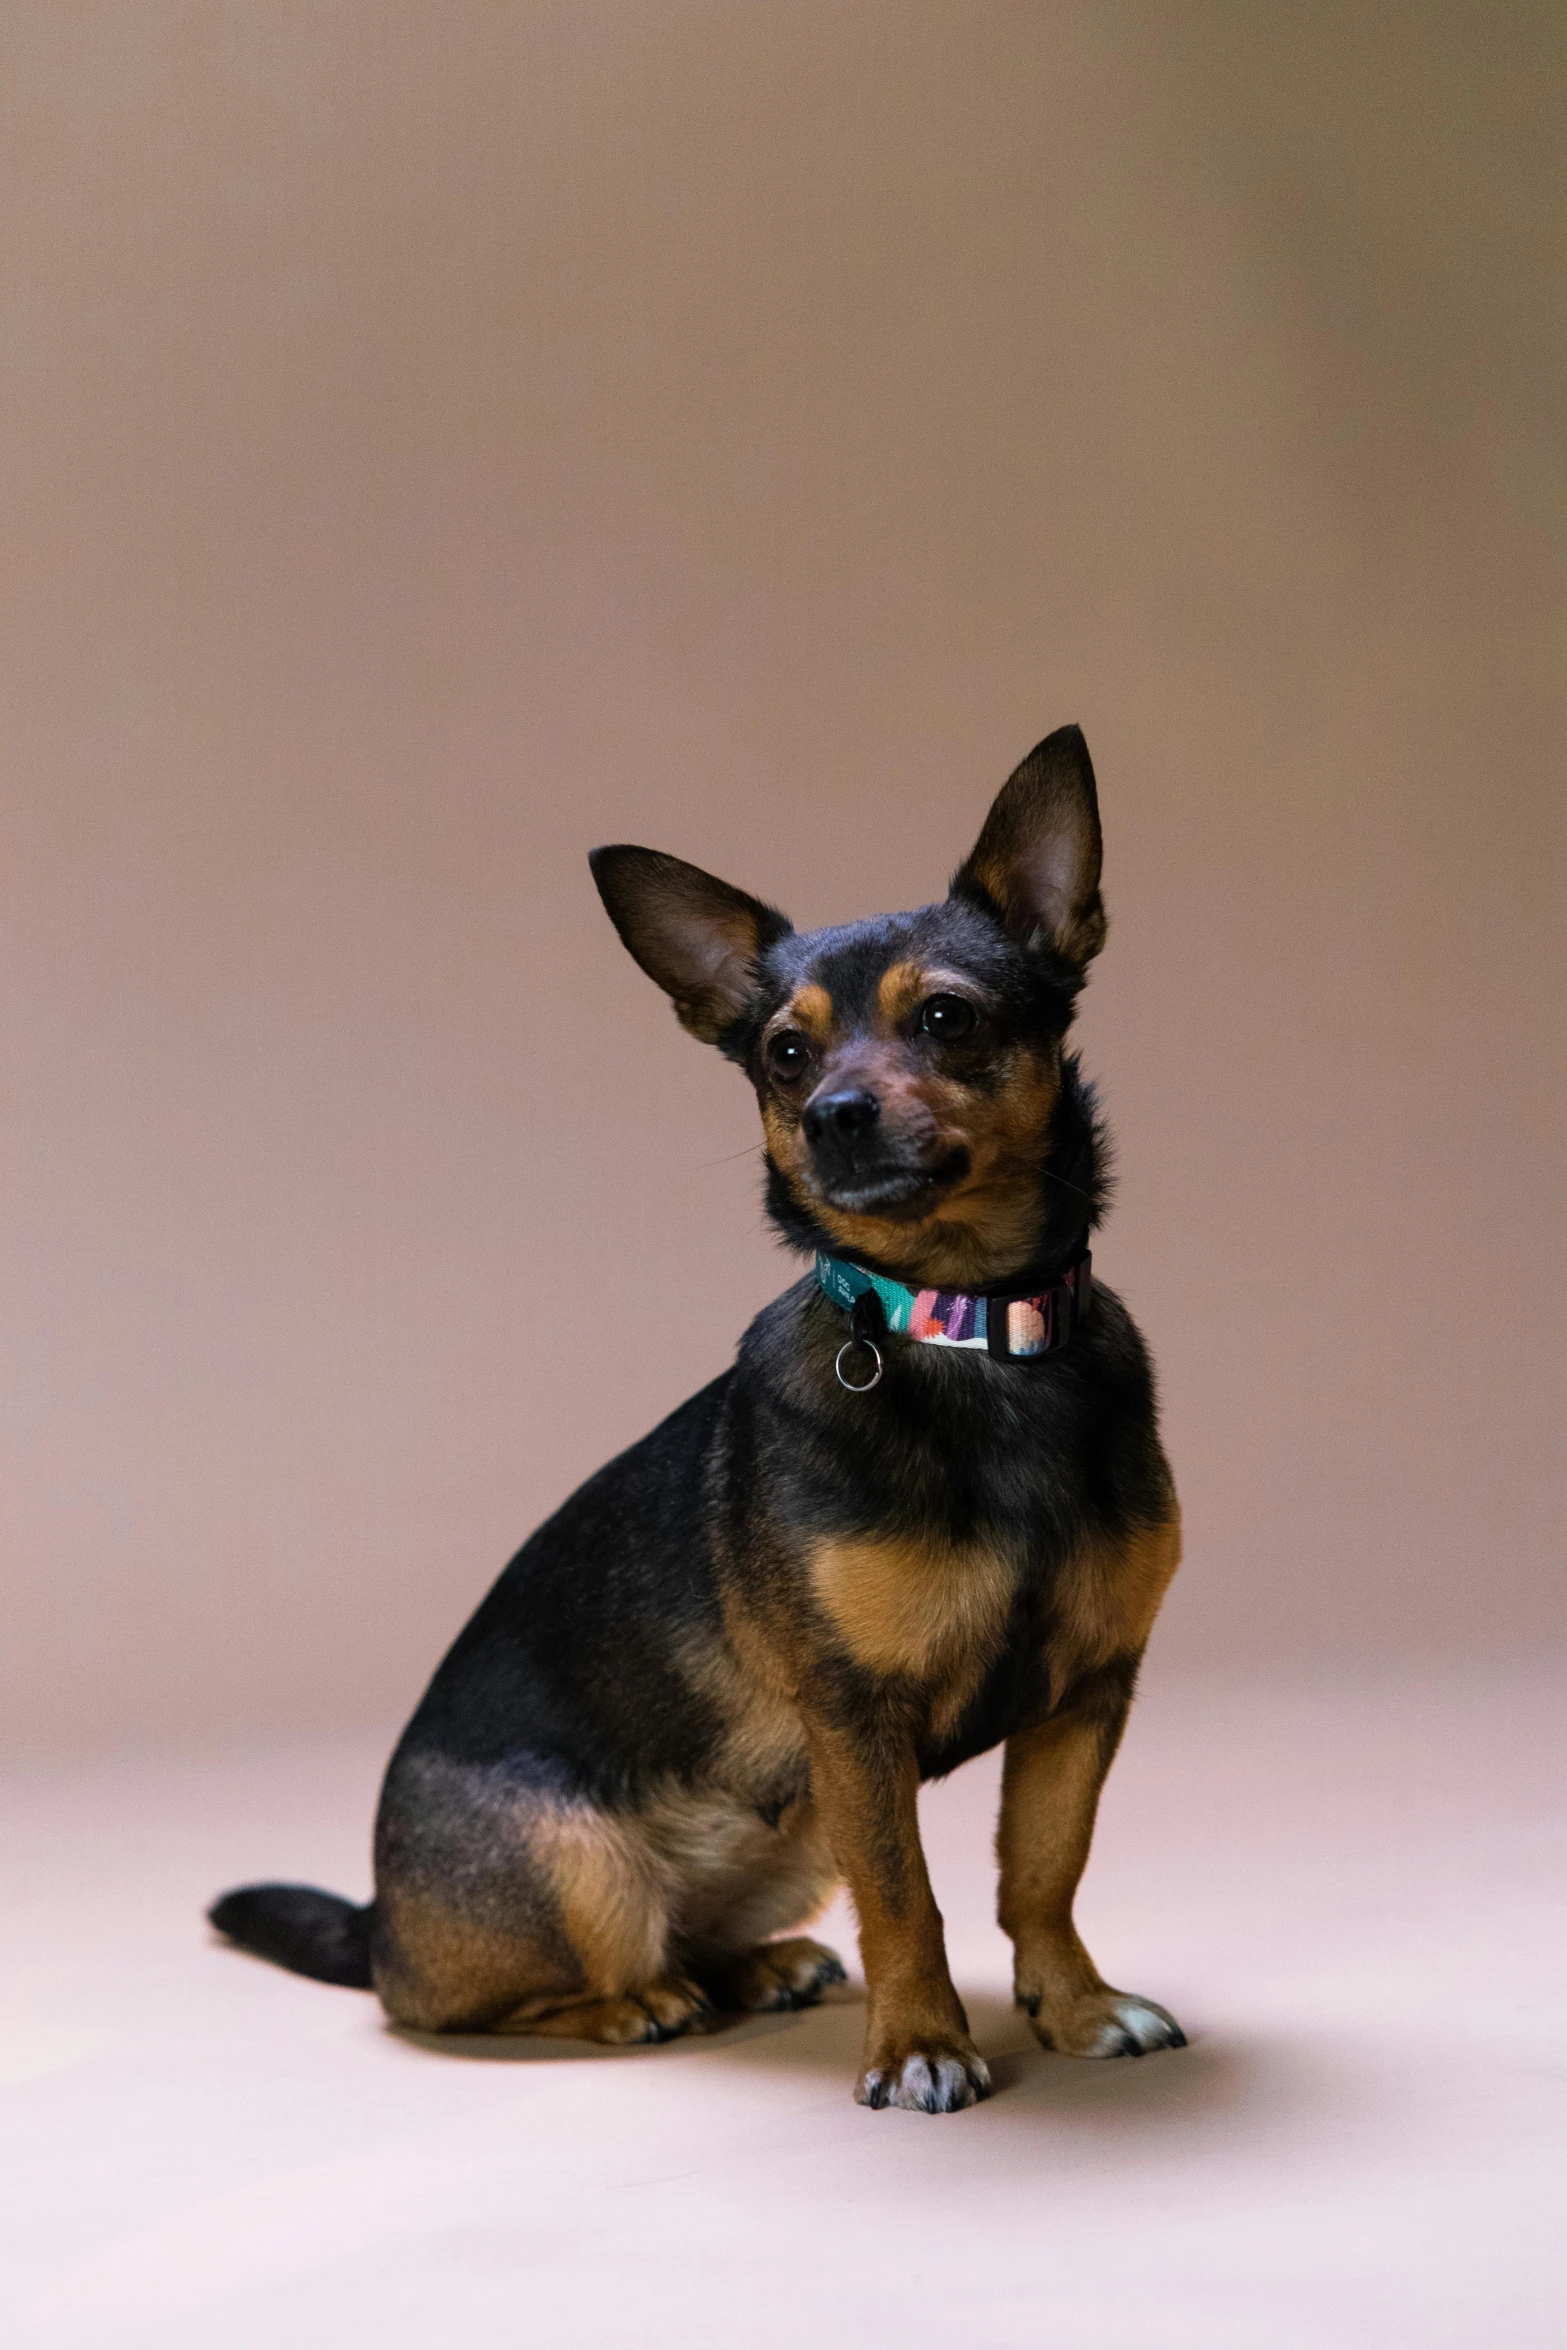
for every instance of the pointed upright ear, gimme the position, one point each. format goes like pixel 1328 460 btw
pixel 695 937
pixel 1036 863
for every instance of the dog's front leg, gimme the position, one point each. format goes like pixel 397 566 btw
pixel 1049 1794
pixel 918 2053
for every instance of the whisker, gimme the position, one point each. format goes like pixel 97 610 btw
pixel 1053 1177
pixel 729 1159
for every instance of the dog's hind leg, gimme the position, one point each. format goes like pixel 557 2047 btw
pixel 658 2011
pixel 612 1891
pixel 504 1906
pixel 790 1973
pixel 739 1876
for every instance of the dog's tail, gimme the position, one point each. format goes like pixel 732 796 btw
pixel 311 1933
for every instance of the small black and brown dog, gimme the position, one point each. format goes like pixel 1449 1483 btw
pixel 710 1686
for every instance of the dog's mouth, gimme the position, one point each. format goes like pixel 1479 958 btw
pixel 895 1192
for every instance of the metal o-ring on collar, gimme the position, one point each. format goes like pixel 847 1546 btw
pixel 864 1386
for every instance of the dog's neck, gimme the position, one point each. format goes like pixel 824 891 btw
pixel 1074 1193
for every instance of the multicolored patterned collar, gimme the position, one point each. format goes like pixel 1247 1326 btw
pixel 1013 1326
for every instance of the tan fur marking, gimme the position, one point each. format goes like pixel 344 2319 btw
pixel 763 1742
pixel 611 1896
pixel 732 1878
pixel 984 1229
pixel 996 1208
pixel 1050 1790
pixel 737 1878
pixel 871 1808
pixel 1106 1604
pixel 794 1883
pixel 764 1747
pixel 1049 1795
pixel 951 1701
pixel 900 991
pixel 914 1608
pixel 1108 1598
pixel 903 987
pixel 658 2011
pixel 810 1010
pixel 447 1974
pixel 932 1254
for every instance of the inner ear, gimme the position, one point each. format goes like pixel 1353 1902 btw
pixel 1036 863
pixel 695 937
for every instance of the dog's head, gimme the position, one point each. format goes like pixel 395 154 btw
pixel 909 1068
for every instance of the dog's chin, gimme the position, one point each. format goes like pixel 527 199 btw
pixel 895 1195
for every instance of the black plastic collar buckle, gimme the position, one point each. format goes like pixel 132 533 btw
pixel 1057 1311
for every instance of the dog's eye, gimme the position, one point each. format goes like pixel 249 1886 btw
pixel 946 1017
pixel 788 1054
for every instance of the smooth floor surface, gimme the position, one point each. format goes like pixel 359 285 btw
pixel 1353 1897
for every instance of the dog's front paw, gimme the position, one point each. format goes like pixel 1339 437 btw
pixel 938 2075
pixel 1100 2023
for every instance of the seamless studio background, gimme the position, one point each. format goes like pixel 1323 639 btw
pixel 443 438
pixel 443 435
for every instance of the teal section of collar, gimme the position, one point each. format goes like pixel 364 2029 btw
pixel 1014 1328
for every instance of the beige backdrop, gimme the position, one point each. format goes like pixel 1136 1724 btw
pixel 439 437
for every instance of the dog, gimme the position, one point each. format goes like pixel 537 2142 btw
pixel 924 1513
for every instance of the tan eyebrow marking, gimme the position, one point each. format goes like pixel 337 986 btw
pixel 811 1011
pixel 903 987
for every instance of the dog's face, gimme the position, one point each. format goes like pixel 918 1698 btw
pixel 909 1067
pixel 907 1071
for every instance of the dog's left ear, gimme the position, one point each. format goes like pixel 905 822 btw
pixel 697 938
pixel 1036 863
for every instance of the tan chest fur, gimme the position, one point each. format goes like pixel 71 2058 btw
pixel 1107 1599
pixel 909 1607
pixel 937 1615
pixel 926 1613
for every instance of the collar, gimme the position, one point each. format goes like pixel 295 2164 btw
pixel 1011 1325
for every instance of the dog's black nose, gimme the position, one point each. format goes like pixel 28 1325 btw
pixel 842 1117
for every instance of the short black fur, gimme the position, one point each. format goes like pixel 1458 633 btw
pixel 634 1656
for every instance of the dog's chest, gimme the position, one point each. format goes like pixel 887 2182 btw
pixel 976 1633
pixel 931 1615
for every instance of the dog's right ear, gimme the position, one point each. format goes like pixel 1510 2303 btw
pixel 694 936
